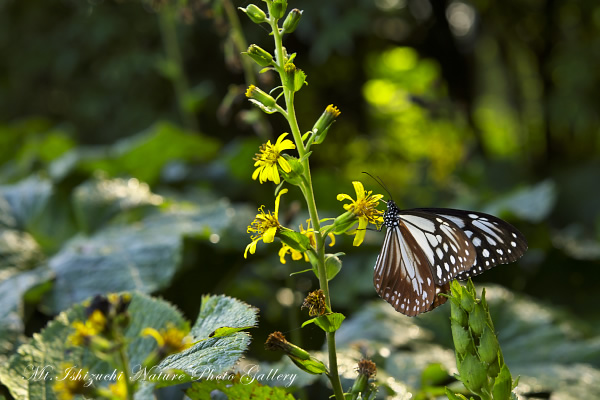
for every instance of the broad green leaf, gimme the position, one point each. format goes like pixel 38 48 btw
pixel 143 256
pixel 18 251
pixel 330 322
pixel 530 204
pixel 33 205
pixel 49 349
pixel 214 355
pixel 242 387
pixel 26 200
pixel 12 291
pixel 145 154
pixel 98 200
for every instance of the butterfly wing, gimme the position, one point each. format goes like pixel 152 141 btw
pixel 447 248
pixel 402 274
pixel 495 241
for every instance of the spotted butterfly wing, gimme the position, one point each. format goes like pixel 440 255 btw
pixel 424 249
pixel 421 253
pixel 495 241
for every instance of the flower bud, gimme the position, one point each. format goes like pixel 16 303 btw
pixel 342 223
pixel 291 21
pixel 299 356
pixel 278 8
pixel 260 97
pixel 324 122
pixel 260 56
pixel 366 370
pixel 255 14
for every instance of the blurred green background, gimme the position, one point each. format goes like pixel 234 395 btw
pixel 126 146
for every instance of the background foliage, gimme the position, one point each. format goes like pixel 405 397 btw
pixel 126 147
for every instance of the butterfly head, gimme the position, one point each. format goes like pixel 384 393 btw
pixel 390 217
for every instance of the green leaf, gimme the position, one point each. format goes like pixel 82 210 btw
pixel 143 256
pixel 18 251
pixel 502 385
pixel 454 396
pixel 13 289
pixel 433 375
pixel 215 355
pixel 242 387
pixel 532 203
pixel 147 153
pixel 299 80
pixel 330 322
pixel 49 348
pixel 98 200
pixel 25 201
pixel 333 265
pixel 295 240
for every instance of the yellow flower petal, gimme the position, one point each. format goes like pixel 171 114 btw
pixel 343 196
pixel 269 235
pixel 360 190
pixel 284 164
pixel 277 199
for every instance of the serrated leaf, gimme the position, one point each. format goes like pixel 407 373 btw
pixel 49 348
pixel 299 79
pixel 237 390
pixel 502 384
pixel 217 354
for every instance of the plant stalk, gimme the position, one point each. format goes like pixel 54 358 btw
pixel 308 192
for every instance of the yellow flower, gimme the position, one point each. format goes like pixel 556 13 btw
pixel 270 157
pixel 67 387
pixel 365 208
pixel 296 255
pixel 265 226
pixel 170 341
pixel 84 331
pixel 119 388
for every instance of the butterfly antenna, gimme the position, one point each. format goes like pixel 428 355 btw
pixel 380 183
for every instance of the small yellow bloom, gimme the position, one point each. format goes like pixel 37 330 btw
pixel 84 331
pixel 365 208
pixel 269 158
pixel 119 388
pixel 170 341
pixel 296 255
pixel 66 388
pixel 265 226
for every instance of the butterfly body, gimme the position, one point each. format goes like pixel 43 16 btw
pixel 424 249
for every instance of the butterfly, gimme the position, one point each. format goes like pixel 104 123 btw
pixel 426 248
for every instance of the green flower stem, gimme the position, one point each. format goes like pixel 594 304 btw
pixel 168 31
pixel 125 366
pixel 307 191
